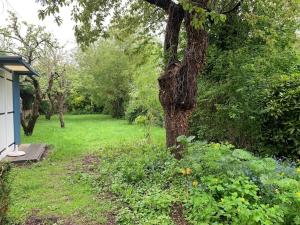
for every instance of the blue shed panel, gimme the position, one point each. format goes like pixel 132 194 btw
pixel 17 111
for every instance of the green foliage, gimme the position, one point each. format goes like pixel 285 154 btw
pixel 79 104
pixel 147 121
pixel 247 56
pixel 118 76
pixel 141 176
pixel 105 75
pixel 144 91
pixel 45 106
pixel 241 188
pixel 4 191
pixel 217 184
pixel 201 16
pixel 136 15
pixel 281 116
pixel 232 208
pixel 185 141
pixel 79 100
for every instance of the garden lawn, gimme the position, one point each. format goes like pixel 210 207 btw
pixel 56 187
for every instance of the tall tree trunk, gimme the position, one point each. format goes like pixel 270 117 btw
pixel 61 108
pixel 176 124
pixel 178 83
pixel 61 119
pixel 118 108
pixel 51 110
pixel 28 126
pixel 49 94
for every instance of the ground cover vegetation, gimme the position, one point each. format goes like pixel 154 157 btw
pixel 115 175
pixel 60 188
pixel 213 184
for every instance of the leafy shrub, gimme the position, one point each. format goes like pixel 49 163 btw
pixel 4 191
pixel 262 117
pixel 281 117
pixel 144 91
pixel 141 176
pixel 134 113
pixel 82 104
pixel 242 76
pixel 216 183
pixel 241 188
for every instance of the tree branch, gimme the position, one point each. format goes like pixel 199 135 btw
pixel 5 35
pixel 175 18
pixel 164 4
pixel 234 8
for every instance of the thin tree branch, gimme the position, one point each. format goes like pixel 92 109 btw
pixel 10 37
pixel 234 8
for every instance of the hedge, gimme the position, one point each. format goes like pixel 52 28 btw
pixel 4 191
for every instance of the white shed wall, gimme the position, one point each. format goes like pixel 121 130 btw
pixel 6 114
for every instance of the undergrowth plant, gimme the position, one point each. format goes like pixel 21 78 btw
pixel 215 183
pixel 4 191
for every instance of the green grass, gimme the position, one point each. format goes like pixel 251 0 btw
pixel 52 186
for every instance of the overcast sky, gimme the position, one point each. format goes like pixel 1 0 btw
pixel 27 10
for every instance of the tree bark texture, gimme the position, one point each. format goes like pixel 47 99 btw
pixel 48 93
pixel 61 107
pixel 178 83
pixel 29 124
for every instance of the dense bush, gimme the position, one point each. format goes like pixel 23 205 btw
pixel 281 117
pixel 133 113
pixel 45 106
pixel 240 188
pixel 4 191
pixel 216 184
pixel 244 64
pixel 144 91
pixel 261 114
pixel 107 77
